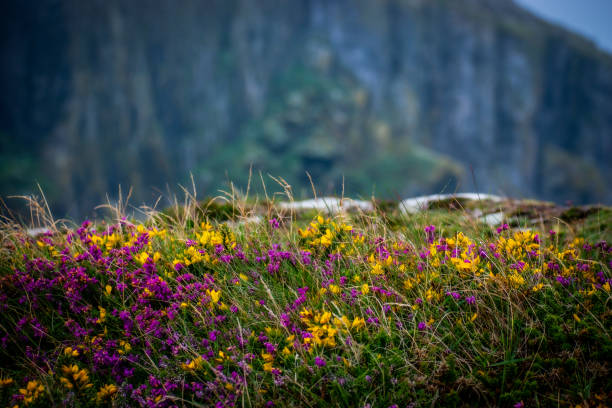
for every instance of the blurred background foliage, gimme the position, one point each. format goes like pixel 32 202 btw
pixel 396 97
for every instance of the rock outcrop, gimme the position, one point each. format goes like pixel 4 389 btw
pixel 412 96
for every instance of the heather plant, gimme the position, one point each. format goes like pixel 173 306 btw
pixel 183 309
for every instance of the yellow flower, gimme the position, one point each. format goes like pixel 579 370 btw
pixel 408 284
pixel 516 280
pixel 377 269
pixel 326 239
pixel 215 295
pixel 365 289
pixel 342 323
pixel 75 378
pixel 142 257
pixel 306 314
pixel 126 347
pixel 324 319
pixel 222 357
pixel 5 381
pixel 358 323
pixel 66 383
pixel 268 360
pixel 431 294
pixel 216 239
pixel 105 392
pixel 31 392
pixel 69 351
pixel 193 365
pixel 102 317
pixel 108 289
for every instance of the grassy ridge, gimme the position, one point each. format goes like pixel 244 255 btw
pixel 380 309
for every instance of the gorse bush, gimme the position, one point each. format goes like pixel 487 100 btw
pixel 336 311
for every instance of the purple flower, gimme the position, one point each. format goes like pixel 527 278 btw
pixel 564 281
pixel 454 295
pixel 503 227
pixel 270 348
pixel 430 231
pixel 422 326
pixel 519 405
pixel 319 362
pixel 274 223
pixel 471 300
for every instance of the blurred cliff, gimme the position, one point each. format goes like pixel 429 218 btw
pixel 399 96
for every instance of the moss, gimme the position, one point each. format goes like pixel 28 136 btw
pixel 577 213
pixel 214 210
pixel 455 203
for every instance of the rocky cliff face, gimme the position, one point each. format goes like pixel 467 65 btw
pixel 404 94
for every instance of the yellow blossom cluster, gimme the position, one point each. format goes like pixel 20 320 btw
pixel 75 378
pixel 5 382
pixel 324 329
pixel 108 241
pixel 194 365
pixel 517 246
pixel 125 347
pixel 106 392
pixel 323 232
pixel 144 257
pixel 31 392
pixel 71 352
pixel 464 255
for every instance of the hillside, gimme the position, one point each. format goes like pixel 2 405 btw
pixel 208 305
pixel 102 93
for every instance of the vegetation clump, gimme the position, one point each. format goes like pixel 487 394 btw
pixel 343 310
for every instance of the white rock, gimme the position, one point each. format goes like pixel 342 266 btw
pixel 331 205
pixel 492 219
pixel 478 196
pixel 34 232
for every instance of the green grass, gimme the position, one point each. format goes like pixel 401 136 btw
pixel 194 308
